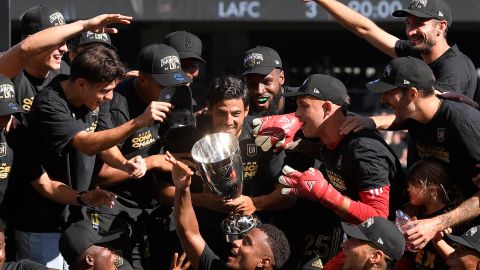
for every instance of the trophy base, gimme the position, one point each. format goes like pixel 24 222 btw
pixel 236 226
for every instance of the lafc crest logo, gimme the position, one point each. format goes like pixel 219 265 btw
pixel 188 42
pixel 418 3
pixel 170 62
pixel 251 150
pixel 440 134
pixel 3 149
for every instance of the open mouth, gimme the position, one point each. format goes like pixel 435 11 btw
pixel 262 100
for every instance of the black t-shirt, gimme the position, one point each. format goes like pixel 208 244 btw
pixel 453 135
pixel 453 70
pixel 53 122
pixel 210 260
pixel 6 162
pixel 27 86
pixel 124 106
pixel 24 264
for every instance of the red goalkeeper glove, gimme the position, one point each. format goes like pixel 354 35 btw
pixel 275 131
pixel 310 185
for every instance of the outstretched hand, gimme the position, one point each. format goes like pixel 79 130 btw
pixel 99 23
pixel 178 262
pixel 98 197
pixel 181 173
pixel 355 124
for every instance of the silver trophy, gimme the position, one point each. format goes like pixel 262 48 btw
pixel 219 163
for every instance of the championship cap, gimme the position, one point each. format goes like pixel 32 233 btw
pixel 187 44
pixel 381 232
pixel 324 87
pixel 79 237
pixel 428 9
pixel 470 238
pixel 8 105
pixel 163 63
pixel 39 18
pixel 261 60
pixel 90 37
pixel 404 72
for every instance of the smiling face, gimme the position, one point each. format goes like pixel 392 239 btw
pixel 228 116
pixel 423 33
pixel 400 101
pixel 311 112
pixel 95 94
pixel 251 251
pixel 263 88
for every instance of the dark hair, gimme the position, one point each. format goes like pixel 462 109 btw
pixel 97 64
pixel 278 244
pixel 3 226
pixel 431 172
pixel 227 87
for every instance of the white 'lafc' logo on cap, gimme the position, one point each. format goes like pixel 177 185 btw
pixel 57 19
pixel 6 91
pixel 472 231
pixel 369 222
pixel 102 36
pixel 418 3
pixel 252 60
pixel 170 62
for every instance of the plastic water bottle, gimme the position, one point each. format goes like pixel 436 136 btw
pixel 401 220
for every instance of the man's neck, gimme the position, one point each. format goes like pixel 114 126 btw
pixel 36 71
pixel 438 50
pixel 329 132
pixel 426 108
pixel 71 93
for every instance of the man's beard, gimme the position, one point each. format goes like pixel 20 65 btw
pixel 426 47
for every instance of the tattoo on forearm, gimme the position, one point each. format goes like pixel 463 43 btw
pixel 468 210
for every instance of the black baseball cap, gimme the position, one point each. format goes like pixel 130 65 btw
pixel 428 9
pixel 40 17
pixel 163 63
pixel 8 105
pixel 324 87
pixel 261 60
pixel 187 44
pixel 404 72
pixel 470 238
pixel 90 37
pixel 79 237
pixel 381 232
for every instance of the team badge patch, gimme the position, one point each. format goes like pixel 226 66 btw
pixel 440 134
pixel 251 150
pixel 3 149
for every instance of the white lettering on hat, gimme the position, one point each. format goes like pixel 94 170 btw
pixel 315 90
pixel 418 3
pixel 7 91
pixel 252 60
pixel 369 222
pixel 170 62
pixel 102 36
pixel 406 81
pixel 380 241
pixel 57 19
pixel 472 231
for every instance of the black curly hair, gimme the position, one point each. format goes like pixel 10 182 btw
pixel 277 242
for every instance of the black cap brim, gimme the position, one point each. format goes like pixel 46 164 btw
pixel 7 108
pixel 172 79
pixel 378 86
pixel 353 231
pixel 416 13
pixel 105 238
pixel 184 55
pixel 259 70
pixel 460 240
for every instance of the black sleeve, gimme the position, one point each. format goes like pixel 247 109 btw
pixel 24 264
pixel 51 120
pixel 24 163
pixel 403 48
pixel 210 261
pixel 104 118
pixel 370 161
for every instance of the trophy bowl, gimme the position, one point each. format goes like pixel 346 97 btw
pixel 219 163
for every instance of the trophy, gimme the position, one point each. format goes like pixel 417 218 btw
pixel 219 163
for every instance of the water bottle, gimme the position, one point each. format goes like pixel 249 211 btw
pixel 401 220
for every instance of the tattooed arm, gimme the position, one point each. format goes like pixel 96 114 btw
pixel 425 229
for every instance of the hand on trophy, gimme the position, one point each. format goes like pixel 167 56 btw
pixel 181 173
pixel 275 131
pixel 214 202
pixel 310 185
pixel 242 205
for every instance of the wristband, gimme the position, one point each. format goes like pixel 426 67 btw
pixel 79 200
